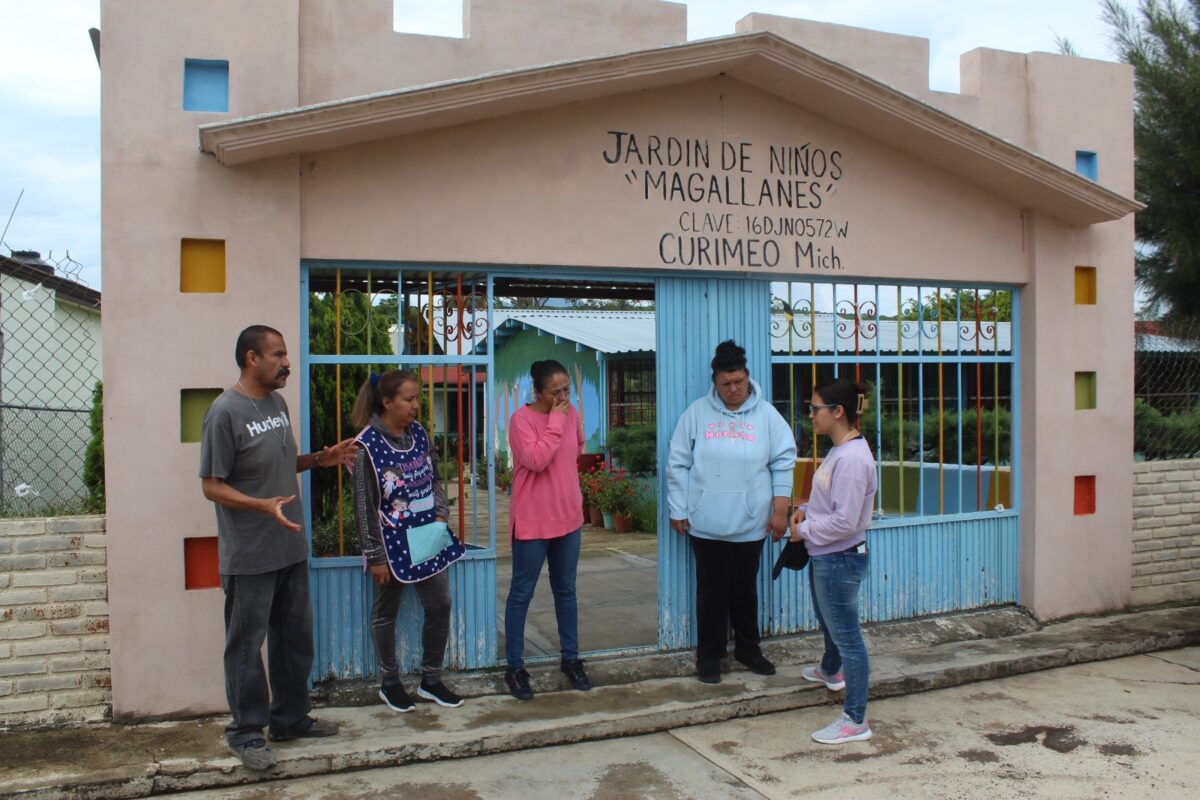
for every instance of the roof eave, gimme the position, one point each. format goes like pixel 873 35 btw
pixel 763 59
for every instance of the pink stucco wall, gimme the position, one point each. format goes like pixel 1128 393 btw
pixel 534 188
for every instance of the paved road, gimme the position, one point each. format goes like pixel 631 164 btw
pixel 1122 728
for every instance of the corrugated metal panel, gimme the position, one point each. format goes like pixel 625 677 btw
pixel 919 568
pixel 473 624
pixel 604 331
pixel 694 315
pixel 341 618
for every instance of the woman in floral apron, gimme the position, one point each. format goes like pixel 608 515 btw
pixel 400 513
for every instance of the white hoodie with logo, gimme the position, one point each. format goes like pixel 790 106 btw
pixel 724 468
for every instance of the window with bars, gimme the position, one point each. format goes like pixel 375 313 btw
pixel 940 362
pixel 631 394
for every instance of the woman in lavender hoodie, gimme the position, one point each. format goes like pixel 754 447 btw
pixel 833 526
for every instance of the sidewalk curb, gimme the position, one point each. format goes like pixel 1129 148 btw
pixel 500 724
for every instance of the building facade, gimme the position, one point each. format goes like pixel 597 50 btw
pixel 262 158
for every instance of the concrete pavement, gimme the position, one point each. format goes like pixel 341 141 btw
pixel 633 696
pixel 1125 727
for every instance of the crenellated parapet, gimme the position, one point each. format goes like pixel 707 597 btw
pixel 344 54
pixel 1052 105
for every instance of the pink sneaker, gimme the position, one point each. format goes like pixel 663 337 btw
pixel 842 730
pixel 832 682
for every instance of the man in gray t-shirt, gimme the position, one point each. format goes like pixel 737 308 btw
pixel 248 467
pixel 249 445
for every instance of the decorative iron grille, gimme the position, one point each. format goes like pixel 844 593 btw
pixel 940 363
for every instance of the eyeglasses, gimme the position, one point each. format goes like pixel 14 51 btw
pixel 813 407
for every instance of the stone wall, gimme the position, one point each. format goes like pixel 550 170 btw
pixel 53 621
pixel 1166 532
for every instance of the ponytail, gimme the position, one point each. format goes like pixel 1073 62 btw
pixel 374 389
pixel 852 396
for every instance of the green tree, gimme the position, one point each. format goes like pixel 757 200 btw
pixel 998 302
pixel 365 325
pixel 93 457
pixel 1161 40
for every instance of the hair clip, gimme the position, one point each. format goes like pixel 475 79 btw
pixel 374 379
pixel 862 404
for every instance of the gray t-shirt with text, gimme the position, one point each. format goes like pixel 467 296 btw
pixel 249 444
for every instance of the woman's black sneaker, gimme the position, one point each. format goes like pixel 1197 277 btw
pixel 517 681
pixel 396 698
pixel 576 674
pixel 438 693
pixel 708 670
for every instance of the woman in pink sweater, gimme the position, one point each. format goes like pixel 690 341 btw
pixel 546 514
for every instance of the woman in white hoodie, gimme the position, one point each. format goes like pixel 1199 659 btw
pixel 729 478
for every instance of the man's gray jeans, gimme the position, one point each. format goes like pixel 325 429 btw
pixel 274 606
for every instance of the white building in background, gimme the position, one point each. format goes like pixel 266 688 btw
pixel 50 357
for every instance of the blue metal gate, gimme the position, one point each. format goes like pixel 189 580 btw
pixel 438 325
pixel 921 563
pixel 927 562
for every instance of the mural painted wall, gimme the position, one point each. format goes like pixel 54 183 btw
pixel 514 387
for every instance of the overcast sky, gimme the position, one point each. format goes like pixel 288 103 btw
pixel 50 85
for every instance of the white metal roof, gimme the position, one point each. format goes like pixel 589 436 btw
pixel 606 332
pixel 1157 343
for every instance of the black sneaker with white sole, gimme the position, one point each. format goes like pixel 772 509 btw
pixel 438 693
pixel 394 696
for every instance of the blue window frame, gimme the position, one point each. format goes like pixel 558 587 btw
pixel 1087 164
pixel 205 85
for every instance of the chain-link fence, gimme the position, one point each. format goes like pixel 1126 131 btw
pixel 1167 390
pixel 50 357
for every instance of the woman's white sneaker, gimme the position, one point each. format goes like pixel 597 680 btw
pixel 842 730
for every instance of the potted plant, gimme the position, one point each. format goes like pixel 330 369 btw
pixel 591 486
pixel 620 493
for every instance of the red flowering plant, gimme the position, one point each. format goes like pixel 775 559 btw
pixel 592 484
pixel 619 493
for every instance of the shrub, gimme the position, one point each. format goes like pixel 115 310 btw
pixel 1163 436
pixel 635 448
pixel 645 513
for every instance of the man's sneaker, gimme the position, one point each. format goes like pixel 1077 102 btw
pixel 757 663
pixel 254 754
pixel 438 693
pixel 708 670
pixel 394 696
pixel 517 681
pixel 576 674
pixel 842 730
pixel 309 728
pixel 832 682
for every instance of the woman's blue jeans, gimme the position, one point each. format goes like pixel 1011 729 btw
pixel 834 580
pixel 528 555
